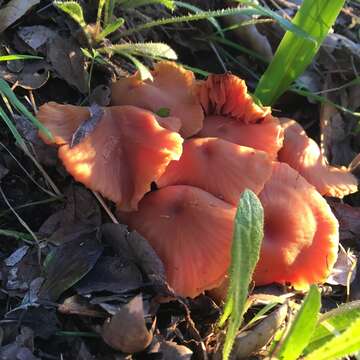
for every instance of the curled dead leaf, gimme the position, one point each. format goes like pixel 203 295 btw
pixel 250 342
pixel 13 11
pixel 126 331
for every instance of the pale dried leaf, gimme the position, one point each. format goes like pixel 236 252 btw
pixel 126 331
pixel 13 11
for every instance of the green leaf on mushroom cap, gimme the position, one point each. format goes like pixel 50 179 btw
pixel 248 234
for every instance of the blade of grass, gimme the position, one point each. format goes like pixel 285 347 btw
pixel 206 15
pixel 248 234
pixel 6 90
pixel 197 10
pixel 18 57
pixel 295 53
pixel 143 70
pixel 340 346
pixel 302 328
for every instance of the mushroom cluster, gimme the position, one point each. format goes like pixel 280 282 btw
pixel 178 179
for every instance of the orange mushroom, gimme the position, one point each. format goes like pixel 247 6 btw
pixel 191 231
pixel 231 114
pixel 121 157
pixel 227 95
pixel 301 236
pixel 304 155
pixel 173 88
pixel 219 167
pixel 266 136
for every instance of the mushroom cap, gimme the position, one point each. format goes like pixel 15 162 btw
pixel 173 88
pixel 301 235
pixel 304 155
pixel 191 231
pixel 219 167
pixel 267 135
pixel 61 120
pixel 122 156
pixel 227 95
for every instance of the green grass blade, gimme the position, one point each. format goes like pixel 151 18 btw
pixel 143 70
pixel 6 90
pixel 193 17
pixel 302 328
pixel 248 234
pixel 12 128
pixel 196 10
pixel 130 4
pixel 333 323
pixel 295 53
pixel 340 346
pixel 18 57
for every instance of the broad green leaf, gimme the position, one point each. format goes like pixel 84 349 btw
pixel 127 4
pixel 302 327
pixel 111 28
pixel 154 50
pixel 295 52
pixel 333 323
pixel 143 70
pixel 73 9
pixel 6 90
pixel 18 57
pixel 339 346
pixel 248 234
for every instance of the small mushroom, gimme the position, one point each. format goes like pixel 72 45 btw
pixel 232 114
pixel 173 89
pixel 227 95
pixel 219 167
pixel 191 231
pixel 301 235
pixel 121 156
pixel 304 155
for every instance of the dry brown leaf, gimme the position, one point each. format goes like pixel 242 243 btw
pixel 249 342
pixel 172 351
pixel 13 11
pixel 126 331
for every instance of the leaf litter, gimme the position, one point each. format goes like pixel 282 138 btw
pixel 90 270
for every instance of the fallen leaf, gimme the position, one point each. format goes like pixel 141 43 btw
pixel 33 75
pixel 349 220
pixel 80 215
pixel 42 321
pixel 126 331
pixel 17 255
pixel 113 274
pixel 249 35
pixel 250 342
pixel 171 350
pixel 77 305
pixel 139 250
pixel 68 62
pixel 68 263
pixel 35 36
pixel 343 272
pixel 13 11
